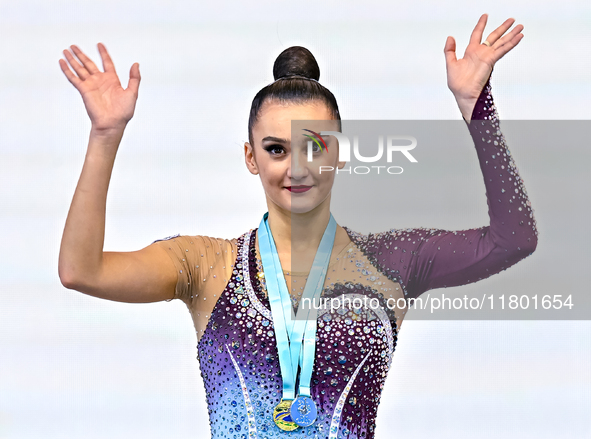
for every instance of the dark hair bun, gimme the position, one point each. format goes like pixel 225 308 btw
pixel 296 60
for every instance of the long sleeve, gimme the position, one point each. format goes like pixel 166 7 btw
pixel 422 259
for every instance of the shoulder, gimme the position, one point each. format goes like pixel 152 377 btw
pixel 201 245
pixel 201 239
pixel 202 262
pixel 406 236
pixel 207 248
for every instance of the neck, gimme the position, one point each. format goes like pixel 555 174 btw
pixel 298 232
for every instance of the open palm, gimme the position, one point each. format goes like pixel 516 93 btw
pixel 467 76
pixel 108 104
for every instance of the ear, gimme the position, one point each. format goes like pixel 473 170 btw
pixel 249 159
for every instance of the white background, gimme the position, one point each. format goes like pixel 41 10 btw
pixel 73 366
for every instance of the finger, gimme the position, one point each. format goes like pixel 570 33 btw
pixel 134 78
pixel 108 65
pixel 498 32
pixel 86 61
pixel 74 80
pixel 78 68
pixel 501 51
pixel 450 50
pixel 476 36
pixel 516 30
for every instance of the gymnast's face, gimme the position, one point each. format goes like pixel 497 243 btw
pixel 290 180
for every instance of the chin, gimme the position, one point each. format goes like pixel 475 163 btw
pixel 297 203
pixel 301 205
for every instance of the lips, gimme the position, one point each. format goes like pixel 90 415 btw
pixel 298 189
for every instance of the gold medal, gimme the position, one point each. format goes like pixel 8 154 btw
pixel 282 416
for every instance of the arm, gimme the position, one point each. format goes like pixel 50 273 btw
pixel 142 276
pixel 422 259
pixel 146 275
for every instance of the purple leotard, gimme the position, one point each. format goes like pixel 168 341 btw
pixel 238 354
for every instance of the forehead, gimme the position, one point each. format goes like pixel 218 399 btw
pixel 275 117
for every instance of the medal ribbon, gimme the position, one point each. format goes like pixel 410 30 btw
pixel 289 331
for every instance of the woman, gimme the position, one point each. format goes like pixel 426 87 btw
pixel 245 347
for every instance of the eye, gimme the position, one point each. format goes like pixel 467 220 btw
pixel 274 149
pixel 314 146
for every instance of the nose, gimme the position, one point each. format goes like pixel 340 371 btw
pixel 298 166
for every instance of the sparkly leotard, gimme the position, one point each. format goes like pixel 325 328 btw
pixel 354 345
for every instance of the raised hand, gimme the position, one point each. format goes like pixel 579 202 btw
pixel 467 76
pixel 108 104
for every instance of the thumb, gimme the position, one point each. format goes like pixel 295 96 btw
pixel 134 78
pixel 450 50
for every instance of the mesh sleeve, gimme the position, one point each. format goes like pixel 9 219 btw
pixel 197 259
pixel 422 259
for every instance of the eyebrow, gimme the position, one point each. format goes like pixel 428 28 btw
pixel 275 139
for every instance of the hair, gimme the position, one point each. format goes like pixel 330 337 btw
pixel 296 75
